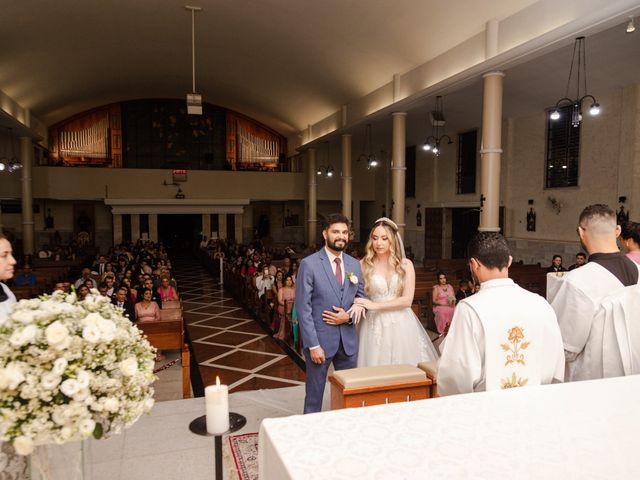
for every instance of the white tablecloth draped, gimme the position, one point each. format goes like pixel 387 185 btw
pixel 582 430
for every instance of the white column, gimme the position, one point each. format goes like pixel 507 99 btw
pixel 135 227
pixel 153 227
pixel 117 229
pixel 312 197
pixel 238 227
pixel 206 225
pixel 346 177
pixel 28 229
pixel 222 225
pixel 491 151
pixel 398 168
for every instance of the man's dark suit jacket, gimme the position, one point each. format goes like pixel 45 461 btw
pixel 129 309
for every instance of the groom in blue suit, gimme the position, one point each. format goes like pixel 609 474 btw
pixel 326 285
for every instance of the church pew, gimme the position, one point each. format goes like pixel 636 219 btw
pixel 168 334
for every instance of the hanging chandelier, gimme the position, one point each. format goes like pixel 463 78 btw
pixel 326 170
pixel 370 158
pixel 194 100
pixel 579 66
pixel 12 164
pixel 434 141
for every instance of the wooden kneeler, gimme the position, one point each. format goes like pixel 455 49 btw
pixel 431 369
pixel 362 387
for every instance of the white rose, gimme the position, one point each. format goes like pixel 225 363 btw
pixel 83 378
pixel 56 333
pixel 50 381
pixel 10 377
pixel 129 366
pixel 24 336
pixel 23 316
pixel 23 445
pixel 92 319
pixel 111 405
pixel 82 395
pixel 107 329
pixel 69 387
pixel 86 427
pixel 353 279
pixel 65 433
pixel 71 298
pixel 59 365
pixel 91 333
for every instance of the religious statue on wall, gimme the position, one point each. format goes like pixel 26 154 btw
pixel 419 217
pixel 531 218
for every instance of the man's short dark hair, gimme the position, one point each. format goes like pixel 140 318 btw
pixel 490 249
pixel 581 254
pixel 597 210
pixel 631 230
pixel 336 218
pixel 557 256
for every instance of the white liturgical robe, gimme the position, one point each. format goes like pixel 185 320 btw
pixel 501 337
pixel 596 316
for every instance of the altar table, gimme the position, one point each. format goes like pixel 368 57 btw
pixel 580 430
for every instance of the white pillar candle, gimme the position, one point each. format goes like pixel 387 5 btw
pixel 217 407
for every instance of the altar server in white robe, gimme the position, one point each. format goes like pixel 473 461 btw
pixel 503 336
pixel 598 305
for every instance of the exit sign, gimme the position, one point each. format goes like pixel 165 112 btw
pixel 179 175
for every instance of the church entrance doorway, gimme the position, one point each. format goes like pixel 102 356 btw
pixel 180 230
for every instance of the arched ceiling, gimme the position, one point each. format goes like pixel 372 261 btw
pixel 287 63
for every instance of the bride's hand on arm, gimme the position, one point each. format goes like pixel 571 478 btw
pixel 366 303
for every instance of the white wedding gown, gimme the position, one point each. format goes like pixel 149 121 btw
pixel 392 337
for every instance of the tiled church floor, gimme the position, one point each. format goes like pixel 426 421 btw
pixel 226 341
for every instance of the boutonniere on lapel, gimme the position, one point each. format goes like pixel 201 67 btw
pixel 353 278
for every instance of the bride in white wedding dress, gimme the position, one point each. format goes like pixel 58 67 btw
pixel 390 333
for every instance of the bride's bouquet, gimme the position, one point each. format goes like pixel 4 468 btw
pixel 452 300
pixel 70 369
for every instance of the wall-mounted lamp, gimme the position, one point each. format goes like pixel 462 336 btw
pixel 631 26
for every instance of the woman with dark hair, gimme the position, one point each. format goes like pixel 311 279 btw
pixel 630 239
pixel 286 297
pixel 444 300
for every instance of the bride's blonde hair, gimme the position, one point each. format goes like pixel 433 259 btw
pixel 396 252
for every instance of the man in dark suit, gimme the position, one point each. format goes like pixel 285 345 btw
pixel 120 300
pixel 327 283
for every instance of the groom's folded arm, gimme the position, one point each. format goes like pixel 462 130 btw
pixel 304 291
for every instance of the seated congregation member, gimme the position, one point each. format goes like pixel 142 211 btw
pixel 82 292
pixel 444 300
pixel 110 280
pixel 147 310
pixel 463 290
pixel 556 265
pixel 166 291
pixel 599 301
pixel 100 266
pixel 581 259
pixel 630 239
pixel 86 273
pixel 25 279
pixel 503 336
pixel 148 285
pixel 121 301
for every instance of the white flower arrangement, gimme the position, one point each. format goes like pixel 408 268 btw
pixel 353 278
pixel 69 370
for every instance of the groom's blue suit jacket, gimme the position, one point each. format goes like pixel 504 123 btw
pixel 317 290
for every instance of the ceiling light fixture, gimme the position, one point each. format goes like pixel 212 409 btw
pixel 579 62
pixel 194 100
pixel 631 26
pixel 326 170
pixel 12 164
pixel 434 141
pixel 370 158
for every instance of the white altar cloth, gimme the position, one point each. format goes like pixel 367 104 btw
pixel 581 430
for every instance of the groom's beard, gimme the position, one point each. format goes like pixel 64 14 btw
pixel 338 245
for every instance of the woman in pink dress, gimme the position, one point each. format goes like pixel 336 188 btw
pixel 147 310
pixel 286 297
pixel 630 239
pixel 444 300
pixel 166 291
